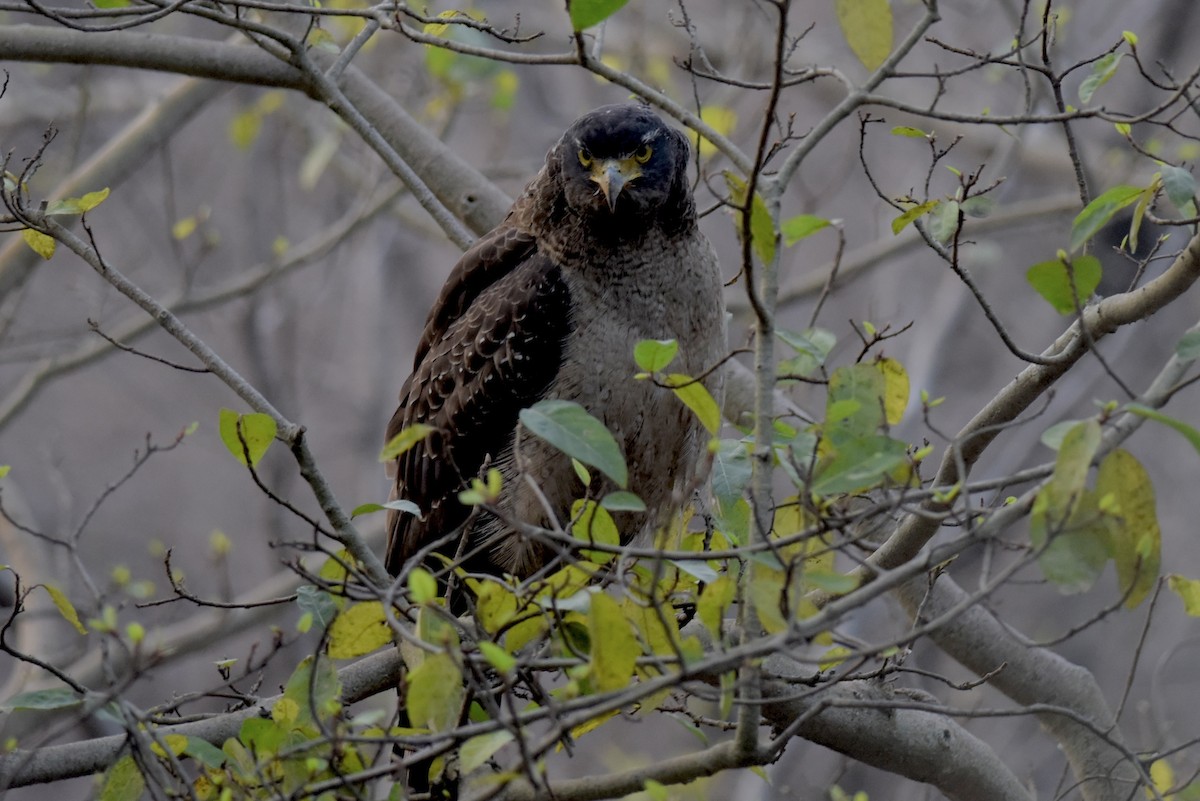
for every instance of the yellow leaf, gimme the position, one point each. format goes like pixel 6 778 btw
pixel 65 608
pixel 42 245
pixel 1137 538
pixel 479 749
pixel 435 693
pixel 714 600
pixel 405 440
pixel 594 524
pixel 1163 779
pixel 184 228
pixel 591 725
pixel 92 199
pixel 762 227
pixel 246 434
pixel 867 26
pixel 697 398
pixel 177 743
pixel 358 630
pixel 766 591
pixel 722 120
pixel 285 712
pixel 896 389
pixel 495 604
pixel 1188 591
pixel 615 649
pixel 908 216
pixel 123 780
pixel 833 657
pixel 243 129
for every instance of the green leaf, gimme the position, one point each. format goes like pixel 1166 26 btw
pixel 1180 186
pixel 812 346
pixel 701 571
pixel 4 470
pixel 405 440
pixel 317 697
pixel 914 213
pixel 1102 71
pixel 1099 212
pixel 762 229
pixel 41 244
pixel 1188 591
pixel 110 3
pixel 504 90
pixel 1123 486
pixel 593 524
pixel 480 748
pixel 697 398
pixel 1187 349
pixel 831 581
pixel 910 132
pixel 979 206
pixel 422 586
pixel 615 648
pixel 64 606
pixel 358 630
pixel 943 223
pixel 1066 524
pixel 622 501
pixel 800 227
pixel 859 463
pixel 497 657
pixel 1052 281
pixel 867 26
pixel 731 472
pixel 57 698
pixel 435 693
pixel 1053 436
pixel 122 781
pixel 586 13
pixel 653 355
pixel 567 426
pixel 855 401
pixel 76 205
pixel 256 430
pixel 317 602
pixel 1189 433
pixel 205 753
pixel 366 509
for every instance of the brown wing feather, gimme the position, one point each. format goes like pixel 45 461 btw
pixel 490 349
pixel 496 254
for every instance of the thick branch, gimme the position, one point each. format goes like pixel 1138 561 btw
pixel 1030 675
pixel 1100 319
pixel 371 676
pixel 457 185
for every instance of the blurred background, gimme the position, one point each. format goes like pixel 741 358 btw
pixel 253 176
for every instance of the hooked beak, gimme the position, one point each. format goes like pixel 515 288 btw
pixel 611 175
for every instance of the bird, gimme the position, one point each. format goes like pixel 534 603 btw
pixel 601 250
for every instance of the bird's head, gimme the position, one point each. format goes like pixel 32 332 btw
pixel 622 164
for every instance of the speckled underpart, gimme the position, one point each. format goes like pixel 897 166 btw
pixel 549 305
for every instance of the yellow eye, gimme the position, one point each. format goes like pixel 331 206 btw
pixel 585 158
pixel 643 155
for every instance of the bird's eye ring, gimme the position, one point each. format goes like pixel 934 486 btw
pixel 643 154
pixel 585 158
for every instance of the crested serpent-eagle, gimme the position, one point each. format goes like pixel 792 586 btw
pixel 600 251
